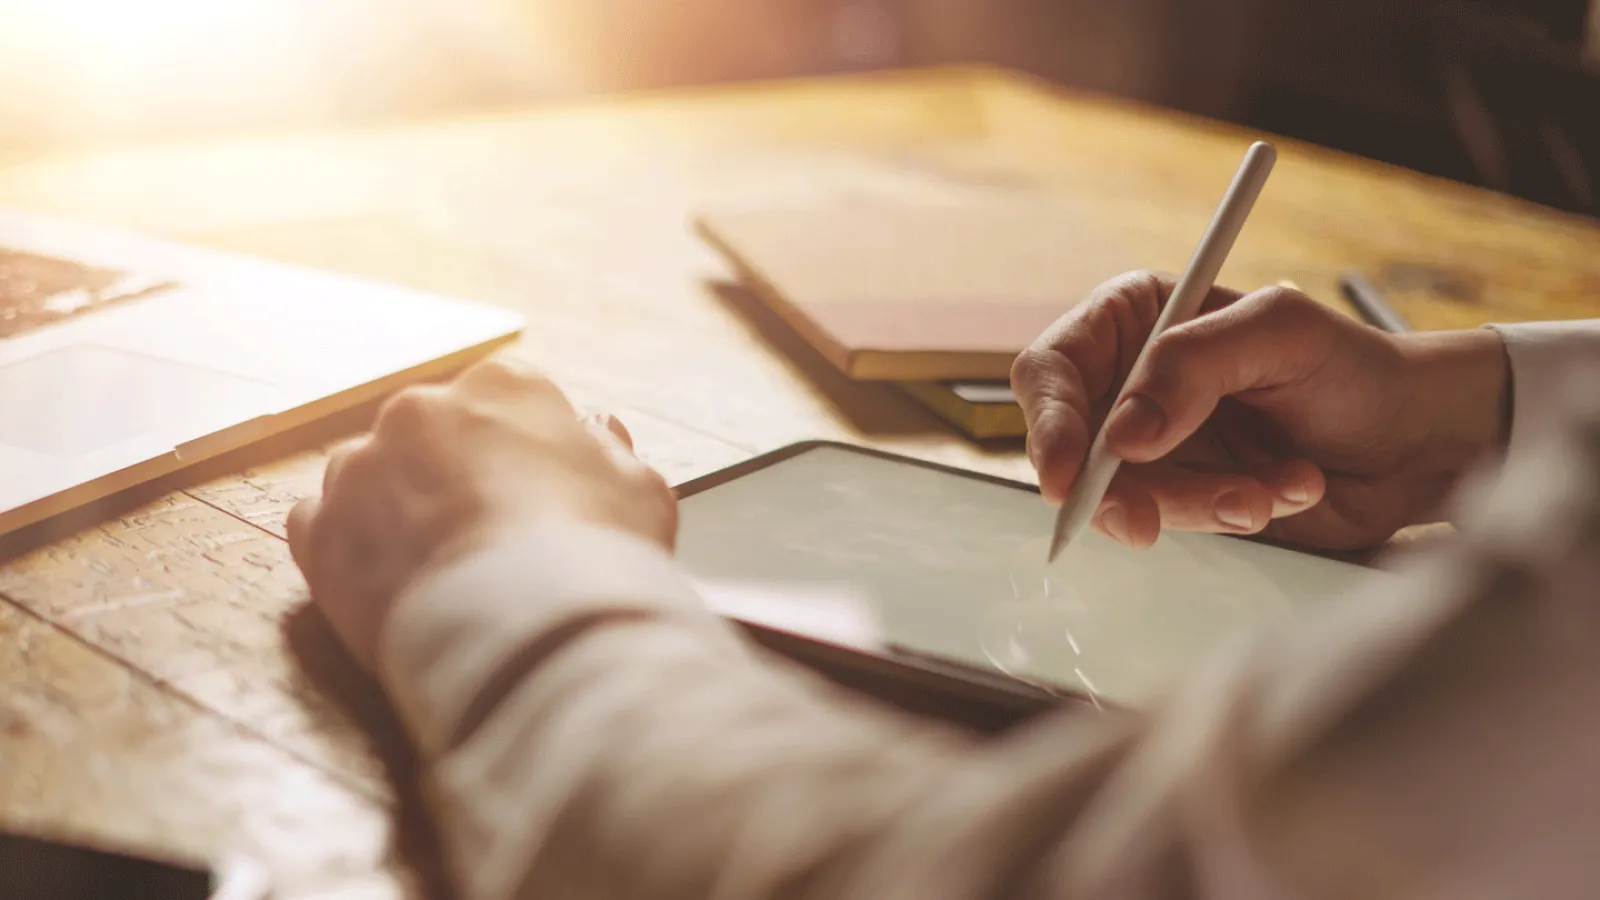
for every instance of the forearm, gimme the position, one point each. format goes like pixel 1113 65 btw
pixel 641 762
pixel 1411 742
pixel 571 721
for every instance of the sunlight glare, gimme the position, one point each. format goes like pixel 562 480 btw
pixel 124 27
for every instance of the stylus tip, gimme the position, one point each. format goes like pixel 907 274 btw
pixel 1055 550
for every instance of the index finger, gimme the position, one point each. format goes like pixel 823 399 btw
pixel 1071 373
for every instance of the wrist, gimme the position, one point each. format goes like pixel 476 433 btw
pixel 467 618
pixel 1460 395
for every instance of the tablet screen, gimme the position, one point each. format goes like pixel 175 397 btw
pixel 953 565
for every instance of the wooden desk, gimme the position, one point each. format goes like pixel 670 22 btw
pixel 158 680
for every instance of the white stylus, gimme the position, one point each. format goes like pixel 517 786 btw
pixel 1187 296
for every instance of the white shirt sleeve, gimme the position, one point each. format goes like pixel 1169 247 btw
pixel 1545 358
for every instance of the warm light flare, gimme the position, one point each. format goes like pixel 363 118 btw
pixel 128 30
pixel 96 65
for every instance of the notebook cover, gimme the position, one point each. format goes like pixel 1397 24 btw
pixel 917 291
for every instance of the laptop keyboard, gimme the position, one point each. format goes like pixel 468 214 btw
pixel 38 290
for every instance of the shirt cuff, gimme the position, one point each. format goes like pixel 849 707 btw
pixel 450 633
pixel 1545 358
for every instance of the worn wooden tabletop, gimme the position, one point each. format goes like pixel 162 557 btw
pixel 160 680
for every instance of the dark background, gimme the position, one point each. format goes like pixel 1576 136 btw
pixel 1493 93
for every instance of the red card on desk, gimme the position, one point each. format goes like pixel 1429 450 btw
pixel 917 291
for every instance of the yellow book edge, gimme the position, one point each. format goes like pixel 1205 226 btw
pixel 985 421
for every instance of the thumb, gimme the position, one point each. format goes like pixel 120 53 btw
pixel 1268 338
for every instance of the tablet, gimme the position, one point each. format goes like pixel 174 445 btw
pixel 950 565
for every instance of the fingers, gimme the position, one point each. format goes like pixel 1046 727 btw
pixel 1129 514
pixel 356 500
pixel 607 425
pixel 1057 380
pixel 1065 379
pixel 301 519
pixel 1146 498
pixel 336 462
pixel 1357 513
pixel 1295 485
pixel 1058 441
pixel 504 382
pixel 409 471
pixel 413 430
pixel 1269 338
pixel 442 466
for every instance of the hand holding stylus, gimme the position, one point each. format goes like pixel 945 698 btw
pixel 1270 413
pixel 1182 304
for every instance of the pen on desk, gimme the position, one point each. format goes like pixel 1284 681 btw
pixel 1183 305
pixel 1370 302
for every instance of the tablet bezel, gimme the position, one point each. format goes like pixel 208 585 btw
pixel 981 699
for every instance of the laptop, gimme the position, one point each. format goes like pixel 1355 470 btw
pixel 123 359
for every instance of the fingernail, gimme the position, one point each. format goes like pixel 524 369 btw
pixel 1137 419
pixel 1296 494
pixel 1114 520
pixel 1233 511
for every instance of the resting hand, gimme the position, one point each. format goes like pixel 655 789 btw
pixel 1268 413
pixel 446 470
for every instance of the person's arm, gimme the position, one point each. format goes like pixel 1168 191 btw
pixel 596 732
pixel 1541 354
pixel 592 731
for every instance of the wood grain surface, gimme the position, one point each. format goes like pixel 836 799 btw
pixel 161 681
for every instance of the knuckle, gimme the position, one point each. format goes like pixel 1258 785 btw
pixel 514 388
pixel 1131 280
pixel 1143 279
pixel 345 467
pixel 1140 292
pixel 409 411
pixel 654 481
pixel 1287 305
pixel 504 373
pixel 1144 288
pixel 331 470
pixel 1030 366
pixel 359 464
pixel 1174 358
pixel 1169 351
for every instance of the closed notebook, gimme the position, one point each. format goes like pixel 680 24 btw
pixel 917 291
